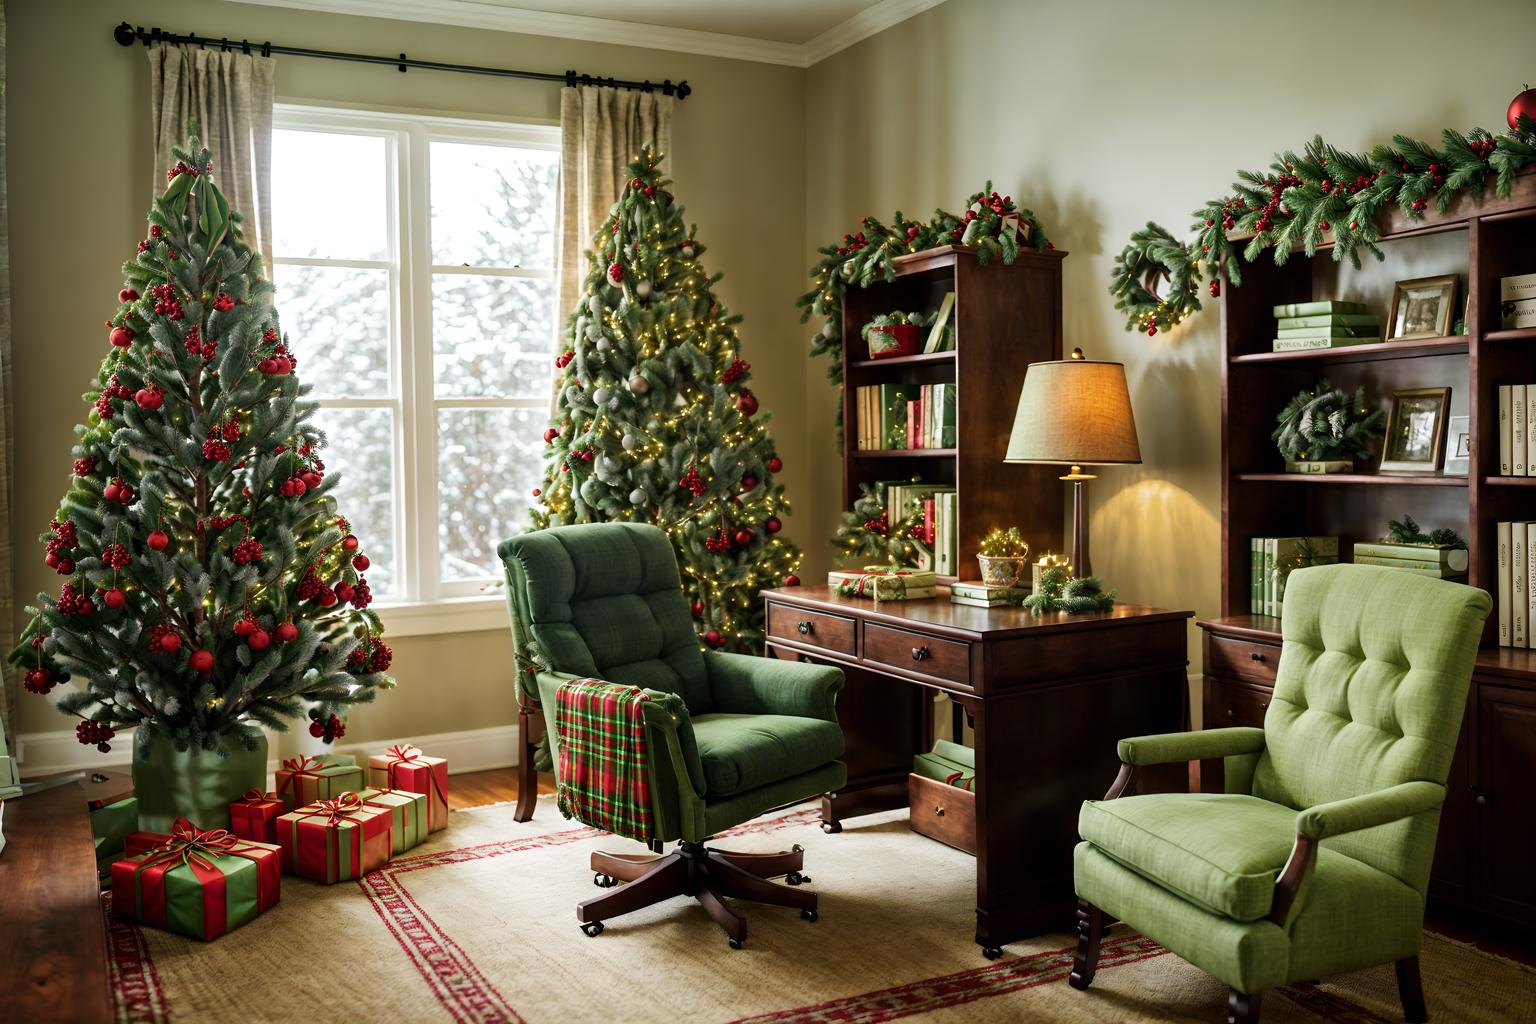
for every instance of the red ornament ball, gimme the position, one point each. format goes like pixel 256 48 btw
pixel 259 640
pixel 127 295
pixel 791 580
pixel 111 491
pixel 748 481
pixel 550 435
pixel 122 337
pixel 245 627
pixel 114 598
pixel 747 403
pixel 1525 103
pixel 344 592
pixel 317 729
pixel 714 639
pixel 772 524
pixel 157 540
pixel 698 609
pixel 361 563
pixel 202 660
pixel 326 597
pixel 775 464
pixel 38 680
pixel 349 543
pixel 286 633
pixel 743 537
pixel 170 643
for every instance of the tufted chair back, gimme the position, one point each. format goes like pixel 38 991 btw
pixel 605 600
pixel 1370 692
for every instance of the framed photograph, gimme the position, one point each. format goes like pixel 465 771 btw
pixel 1458 446
pixel 1423 308
pixel 1415 438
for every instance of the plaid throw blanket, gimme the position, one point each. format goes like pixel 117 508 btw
pixel 603 777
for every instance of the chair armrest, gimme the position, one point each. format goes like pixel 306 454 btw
pixel 771 686
pixel 1198 745
pixel 1368 810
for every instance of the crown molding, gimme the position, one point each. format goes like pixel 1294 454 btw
pixel 472 14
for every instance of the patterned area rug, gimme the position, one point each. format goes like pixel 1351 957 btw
pixel 478 926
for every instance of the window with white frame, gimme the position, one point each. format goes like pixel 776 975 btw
pixel 414 262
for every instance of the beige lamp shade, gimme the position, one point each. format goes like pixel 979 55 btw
pixel 1074 412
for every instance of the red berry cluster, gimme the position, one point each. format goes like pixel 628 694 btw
pixel 721 541
pixel 333 728
pixel 71 603
pixel 563 358
pixel 116 557
pixel 222 522
pixel 118 490
pixel 735 371
pixel 61 546
pixel 1277 184
pixel 127 296
pixel 853 243
pixel 693 482
pixel 362 594
pixel 38 680
pixel 196 346
pixel 215 450
pixel 149 399
pixel 616 272
pixel 166 302
pixel 293 487
pixel 164 638
pixel 1483 148
pixel 372 655
pixel 223 303
pixel 182 167
pixel 309 586
pixel 97 733
pixel 85 466
pixel 114 390
pixel 247 551
pixel 881 524
pixel 278 364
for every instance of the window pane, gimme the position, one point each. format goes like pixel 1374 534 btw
pixel 337 323
pixel 360 446
pixel 488 460
pixel 492 336
pixel 329 195
pixel 493 206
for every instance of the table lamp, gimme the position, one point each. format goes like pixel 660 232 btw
pixel 1075 412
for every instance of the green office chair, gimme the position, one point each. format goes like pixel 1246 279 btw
pixel 729 736
pixel 1315 859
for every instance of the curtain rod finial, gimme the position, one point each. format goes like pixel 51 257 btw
pixel 124 34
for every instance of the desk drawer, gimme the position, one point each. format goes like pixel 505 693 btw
pixel 788 622
pixel 918 652
pixel 943 812
pixel 1230 703
pixel 1230 656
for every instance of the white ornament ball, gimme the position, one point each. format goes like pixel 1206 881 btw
pixel 639 385
pixel 630 442
pixel 687 252
pixel 594 331
pixel 595 304
pixel 637 497
pixel 643 289
pixel 600 396
pixel 603 344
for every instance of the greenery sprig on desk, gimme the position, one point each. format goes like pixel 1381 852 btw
pixel 1059 592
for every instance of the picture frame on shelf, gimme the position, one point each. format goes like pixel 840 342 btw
pixel 1458 446
pixel 1423 307
pixel 1414 442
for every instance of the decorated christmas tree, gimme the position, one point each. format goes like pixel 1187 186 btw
pixel 209 586
pixel 654 420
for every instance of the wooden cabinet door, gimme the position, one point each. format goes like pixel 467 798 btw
pixel 1454 874
pixel 1506 722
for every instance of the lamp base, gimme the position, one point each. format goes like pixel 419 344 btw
pixel 1079 481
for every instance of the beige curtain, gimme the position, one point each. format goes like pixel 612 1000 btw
pixel 601 131
pixel 10 690
pixel 229 96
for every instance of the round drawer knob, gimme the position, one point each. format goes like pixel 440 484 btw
pixel 1264 706
pixel 1231 713
pixel 938 810
pixel 1256 656
pixel 919 653
pixel 1481 801
pixel 804 628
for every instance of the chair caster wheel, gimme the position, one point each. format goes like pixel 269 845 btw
pixel 796 878
pixel 797 848
pixel 992 952
pixel 810 915
pixel 831 827
pixel 593 929
pixel 603 881
pixel 734 943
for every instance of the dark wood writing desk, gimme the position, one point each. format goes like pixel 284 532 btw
pixel 53 957
pixel 1048 698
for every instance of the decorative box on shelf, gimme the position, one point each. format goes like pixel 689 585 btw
pixel 884 582
pixel 1517 301
pixel 1319 466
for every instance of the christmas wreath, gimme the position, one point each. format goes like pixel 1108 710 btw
pixel 1302 199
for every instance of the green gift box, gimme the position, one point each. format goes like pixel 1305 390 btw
pixel 408 811
pixel 306 780
pixel 198 883
pixel 110 825
pixel 950 763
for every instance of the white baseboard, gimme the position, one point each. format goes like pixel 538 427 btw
pixel 470 750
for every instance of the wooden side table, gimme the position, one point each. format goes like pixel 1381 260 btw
pixel 1049 698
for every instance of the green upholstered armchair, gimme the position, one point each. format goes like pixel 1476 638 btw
pixel 1315 859
pixel 729 736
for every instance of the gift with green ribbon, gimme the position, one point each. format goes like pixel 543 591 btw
pixel 407 810
pixel 111 822
pixel 336 840
pixel 304 780
pixel 404 767
pixel 200 883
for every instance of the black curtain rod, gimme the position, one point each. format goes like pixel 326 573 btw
pixel 126 35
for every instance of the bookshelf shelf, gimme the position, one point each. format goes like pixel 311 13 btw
pixel 1005 316
pixel 1352 479
pixel 1361 353
pixel 1510 481
pixel 1520 334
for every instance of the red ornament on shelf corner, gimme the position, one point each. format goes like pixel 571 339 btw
pixel 1524 103
pixel 791 580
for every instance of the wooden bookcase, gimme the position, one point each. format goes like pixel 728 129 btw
pixel 1487 831
pixel 1006 316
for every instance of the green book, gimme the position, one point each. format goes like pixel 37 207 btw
pixel 1453 559
pixel 1256 577
pixel 944 402
pixel 990 595
pixel 1304 344
pixel 1346 331
pixel 1319 308
pixel 1331 320
pixel 1419 568
pixel 893 414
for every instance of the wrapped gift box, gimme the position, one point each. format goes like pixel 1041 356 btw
pixel 884 582
pixel 306 780
pixel 406 768
pixel 255 815
pixel 408 813
pixel 336 840
pixel 197 883
pixel 111 823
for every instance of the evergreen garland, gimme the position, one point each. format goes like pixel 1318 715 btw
pixel 1298 203
pixel 1060 592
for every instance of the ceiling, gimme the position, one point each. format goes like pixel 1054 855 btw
pixel 794 32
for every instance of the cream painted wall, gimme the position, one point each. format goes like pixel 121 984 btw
pixel 80 170
pixel 1101 116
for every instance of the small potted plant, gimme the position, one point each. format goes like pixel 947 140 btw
pixel 893 334
pixel 1003 554
pixel 1325 429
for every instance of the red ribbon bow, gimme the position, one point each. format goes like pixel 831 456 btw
pixel 192 845
pixel 402 752
pixel 254 795
pixel 340 808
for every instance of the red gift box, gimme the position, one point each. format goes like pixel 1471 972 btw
pixel 255 815
pixel 336 840
pixel 404 767
pixel 140 888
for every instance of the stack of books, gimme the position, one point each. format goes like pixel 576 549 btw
pixel 980 595
pixel 1515 574
pixel 1517 301
pixel 1423 559
pixel 1274 559
pixel 1329 323
pixel 897 417
pixel 942 511
pixel 1517 441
